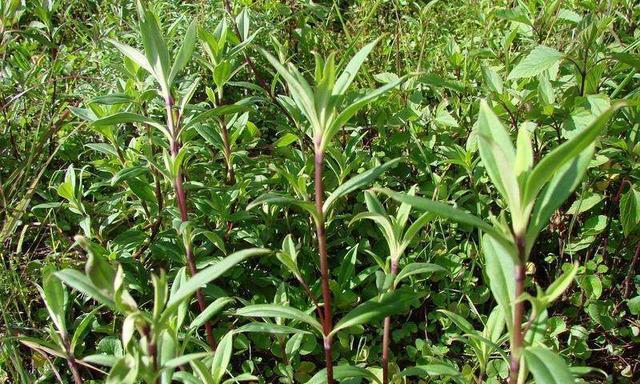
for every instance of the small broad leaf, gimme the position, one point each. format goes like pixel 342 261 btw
pixel 274 310
pixel 538 60
pixel 356 182
pixel 547 367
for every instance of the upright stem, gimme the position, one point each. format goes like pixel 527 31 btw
pixel 231 176
pixel 181 201
pixel 71 360
pixel 518 312
pixel 324 265
pixel 386 333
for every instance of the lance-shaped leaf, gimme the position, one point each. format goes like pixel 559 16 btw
pixel 349 73
pixel 561 185
pixel 275 329
pixel 281 311
pixel 277 199
pixel 500 267
pixel 430 370
pixel 378 308
pixel 155 48
pixel 128 117
pixel 415 269
pixel 547 367
pixel 356 182
pixel 342 372
pixel 221 358
pixel 346 114
pixel 300 90
pixel 134 54
pixel 444 211
pixel 184 53
pixel 567 151
pixel 498 156
pixel 213 309
pixel 80 282
pixel 209 274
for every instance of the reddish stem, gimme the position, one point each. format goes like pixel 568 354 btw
pixel 386 333
pixel 181 201
pixel 324 265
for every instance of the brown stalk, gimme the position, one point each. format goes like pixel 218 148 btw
pixel 324 264
pixel 181 201
pixel 386 333
pixel 518 312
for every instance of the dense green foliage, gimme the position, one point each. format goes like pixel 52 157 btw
pixel 379 191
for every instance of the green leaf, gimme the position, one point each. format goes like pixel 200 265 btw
pixel 212 309
pixel 356 182
pixel 346 115
pixel 341 372
pixel 567 151
pixel 430 370
pixel 500 267
pixel 499 158
pixel 547 367
pixel 274 310
pixel 222 357
pixel 133 54
pixel 538 60
pixel 443 210
pixel 275 329
pixel 561 284
pixel 378 308
pixel 128 117
pixel 417 268
pixel 349 73
pixel 81 283
pixel 277 199
pixel 562 184
pixel 209 274
pixel 155 48
pixel 184 359
pixel 184 54
pixel 630 211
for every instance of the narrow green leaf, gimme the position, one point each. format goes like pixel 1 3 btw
pixel 378 308
pixel 211 273
pixel 184 54
pixel 212 309
pixel 341 372
pixel 415 269
pixel 566 152
pixel 222 357
pixel 356 182
pixel 547 367
pixel 500 267
pixel 80 282
pixel 274 310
